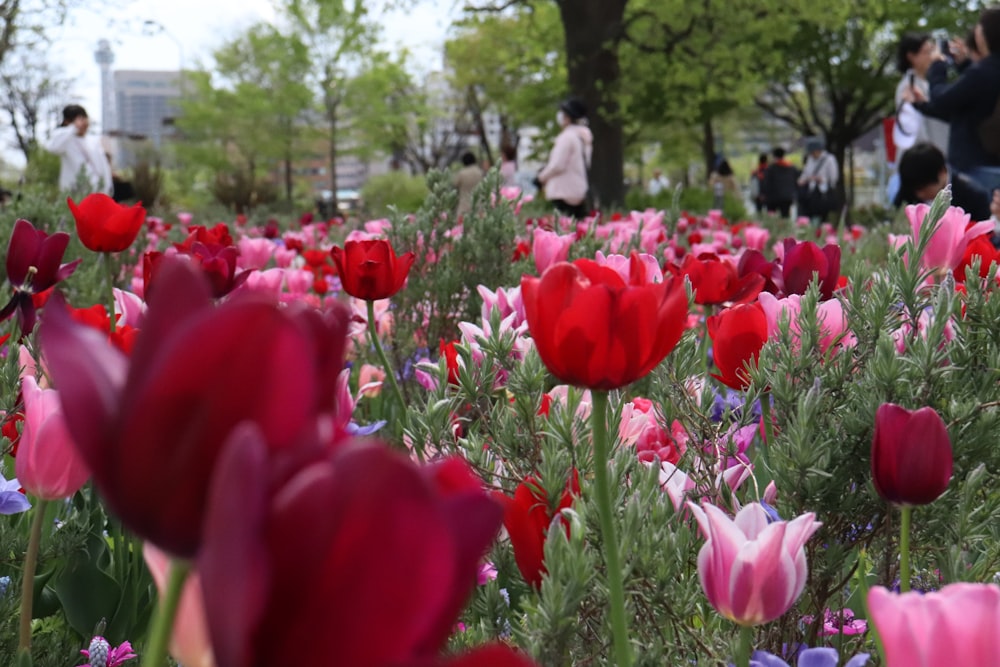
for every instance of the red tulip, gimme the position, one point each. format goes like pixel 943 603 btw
pixel 358 555
pixel 450 353
pixel 104 225
pixel 592 330
pixel 716 281
pixel 911 455
pixel 218 235
pixel 151 430
pixel 97 318
pixel 33 266
pixel 983 248
pixel 804 260
pixel 737 334
pixel 370 270
pixel 527 517
pixel 753 262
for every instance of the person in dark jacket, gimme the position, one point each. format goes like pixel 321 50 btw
pixel 923 174
pixel 968 101
pixel 779 187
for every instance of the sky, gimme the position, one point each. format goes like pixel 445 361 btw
pixel 186 32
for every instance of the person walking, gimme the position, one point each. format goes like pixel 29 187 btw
pixel 79 154
pixel 564 177
pixel 466 180
pixel 780 184
pixel 818 181
pixel 757 184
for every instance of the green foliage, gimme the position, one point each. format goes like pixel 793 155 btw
pixel 441 290
pixel 395 190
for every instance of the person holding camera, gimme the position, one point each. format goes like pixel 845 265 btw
pixel 916 53
pixel 969 104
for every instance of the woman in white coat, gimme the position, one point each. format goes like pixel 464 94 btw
pixel 79 152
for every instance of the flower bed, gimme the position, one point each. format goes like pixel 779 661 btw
pixel 657 438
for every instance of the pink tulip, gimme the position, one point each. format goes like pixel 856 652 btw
pixel 254 253
pixel 370 380
pixel 47 462
pixel 268 282
pixel 550 248
pixel 756 237
pixel 829 314
pixel 947 244
pixel 752 571
pixel 298 281
pixel 957 625
pixel 622 266
pixel 283 256
pixel 189 643
pixel 185 218
pixel 129 308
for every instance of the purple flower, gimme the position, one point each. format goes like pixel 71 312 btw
pixel 356 429
pixel 12 501
pixel 810 657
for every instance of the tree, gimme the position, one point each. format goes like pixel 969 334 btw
pixel 337 35
pixel 257 84
pixel 32 89
pixel 511 65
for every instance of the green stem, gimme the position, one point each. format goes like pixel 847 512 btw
pixel 28 574
pixel 745 646
pixel 862 573
pixel 373 334
pixel 904 550
pixel 111 290
pixel 616 588
pixel 162 624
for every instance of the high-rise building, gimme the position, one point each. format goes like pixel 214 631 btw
pixel 146 102
pixel 105 57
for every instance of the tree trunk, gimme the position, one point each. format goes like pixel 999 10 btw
pixel 288 178
pixel 590 28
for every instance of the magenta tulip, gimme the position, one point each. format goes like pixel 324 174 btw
pixel 47 463
pixel 752 571
pixel 804 262
pixel 957 625
pixel 151 430
pixel 358 557
pixel 911 455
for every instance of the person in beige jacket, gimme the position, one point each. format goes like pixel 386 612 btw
pixel 565 175
pixel 466 180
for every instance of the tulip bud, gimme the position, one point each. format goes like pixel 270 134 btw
pixel 911 455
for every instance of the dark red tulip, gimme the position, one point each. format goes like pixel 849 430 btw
pixel 804 260
pixel 911 455
pixel 104 225
pixel 591 329
pixel 33 267
pixel 358 554
pixel 151 430
pixel 753 262
pixel 716 281
pixel 370 270
pixel 527 517
pixel 737 334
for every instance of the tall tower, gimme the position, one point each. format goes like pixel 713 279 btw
pixel 105 57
